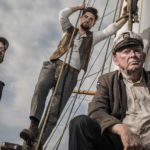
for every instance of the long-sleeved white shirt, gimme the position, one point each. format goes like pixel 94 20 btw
pixel 97 37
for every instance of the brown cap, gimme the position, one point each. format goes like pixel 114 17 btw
pixel 126 39
pixel 5 42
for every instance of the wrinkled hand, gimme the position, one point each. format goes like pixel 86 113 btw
pixel 82 5
pixel 124 10
pixel 130 140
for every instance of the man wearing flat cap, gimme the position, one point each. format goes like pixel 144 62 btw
pixel 3 47
pixel 119 114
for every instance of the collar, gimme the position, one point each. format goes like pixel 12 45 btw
pixel 125 77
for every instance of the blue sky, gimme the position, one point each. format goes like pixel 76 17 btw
pixel 33 31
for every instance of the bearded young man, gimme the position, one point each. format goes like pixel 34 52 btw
pixel 119 114
pixel 78 59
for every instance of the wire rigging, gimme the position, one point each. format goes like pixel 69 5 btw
pixel 53 94
pixel 83 79
pixel 109 41
pixel 84 75
pixel 121 5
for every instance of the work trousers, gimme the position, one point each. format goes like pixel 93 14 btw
pixel 46 81
pixel 85 134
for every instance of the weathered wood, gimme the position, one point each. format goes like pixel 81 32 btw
pixel 84 92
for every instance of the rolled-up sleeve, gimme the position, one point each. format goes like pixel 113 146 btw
pixel 103 34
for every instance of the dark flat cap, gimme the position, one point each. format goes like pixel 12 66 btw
pixel 126 39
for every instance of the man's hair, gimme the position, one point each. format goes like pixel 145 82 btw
pixel 5 42
pixel 91 10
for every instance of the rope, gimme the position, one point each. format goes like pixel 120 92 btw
pixel 95 60
pixel 58 124
pixel 88 3
pixel 53 95
pixel 66 112
pixel 79 87
pixel 59 141
pixel 96 72
pixel 121 5
pixel 102 18
pixel 79 105
pixel 93 3
pixel 91 67
pixel 109 41
pixel 89 89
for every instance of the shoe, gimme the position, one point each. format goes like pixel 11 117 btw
pixel 32 132
pixel 29 134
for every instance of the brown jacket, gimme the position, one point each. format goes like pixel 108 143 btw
pixel 84 50
pixel 109 104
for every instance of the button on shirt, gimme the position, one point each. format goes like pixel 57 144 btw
pixel 138 110
pixel 74 58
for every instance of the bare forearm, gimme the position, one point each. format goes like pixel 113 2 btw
pixel 121 22
pixel 78 7
pixel 123 18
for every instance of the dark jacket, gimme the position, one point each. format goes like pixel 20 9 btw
pixel 84 50
pixel 109 104
pixel 1 88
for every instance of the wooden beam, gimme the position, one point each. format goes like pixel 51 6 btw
pixel 84 92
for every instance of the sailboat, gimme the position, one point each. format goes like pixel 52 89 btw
pixel 105 65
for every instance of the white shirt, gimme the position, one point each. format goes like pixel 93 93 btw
pixel 97 37
pixel 138 110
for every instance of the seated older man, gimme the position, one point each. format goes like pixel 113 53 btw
pixel 119 114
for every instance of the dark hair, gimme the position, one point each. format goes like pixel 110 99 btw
pixel 5 42
pixel 91 10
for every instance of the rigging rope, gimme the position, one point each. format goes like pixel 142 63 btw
pixel 89 88
pixel 88 3
pixel 95 60
pixel 121 5
pixel 109 41
pixel 76 96
pixel 58 124
pixel 105 41
pixel 91 52
pixel 59 141
pixel 74 100
pixel 81 101
pixel 93 3
pixel 52 97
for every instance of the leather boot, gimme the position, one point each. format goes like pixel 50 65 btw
pixel 30 134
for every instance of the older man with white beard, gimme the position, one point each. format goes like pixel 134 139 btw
pixel 119 114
